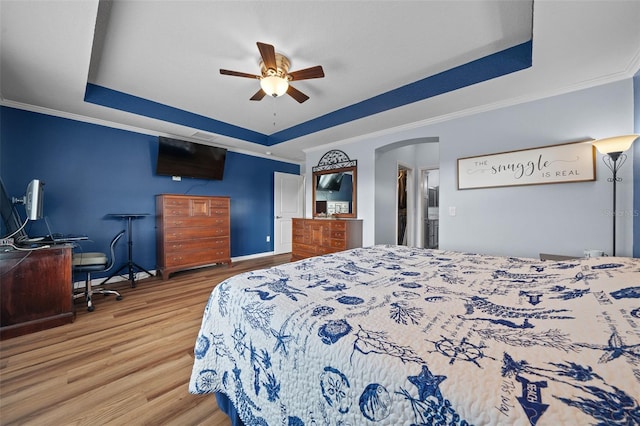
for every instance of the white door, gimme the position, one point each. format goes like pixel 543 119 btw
pixel 288 193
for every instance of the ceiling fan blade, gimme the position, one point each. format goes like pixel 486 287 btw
pixel 307 73
pixel 268 53
pixel 238 74
pixel 258 96
pixel 296 94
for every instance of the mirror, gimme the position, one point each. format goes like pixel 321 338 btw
pixel 334 192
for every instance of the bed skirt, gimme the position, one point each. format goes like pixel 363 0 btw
pixel 228 408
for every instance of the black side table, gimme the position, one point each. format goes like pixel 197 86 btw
pixel 129 265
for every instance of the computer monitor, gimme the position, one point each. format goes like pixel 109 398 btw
pixel 11 222
pixel 33 199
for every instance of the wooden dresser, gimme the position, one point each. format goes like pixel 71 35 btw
pixel 315 237
pixel 37 290
pixel 191 231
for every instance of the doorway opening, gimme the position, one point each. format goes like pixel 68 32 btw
pixel 430 184
pixel 404 206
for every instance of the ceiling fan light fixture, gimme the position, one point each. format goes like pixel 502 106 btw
pixel 275 77
pixel 274 86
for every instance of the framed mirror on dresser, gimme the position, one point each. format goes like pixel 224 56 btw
pixel 334 226
pixel 335 186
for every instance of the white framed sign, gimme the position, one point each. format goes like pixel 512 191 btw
pixel 570 162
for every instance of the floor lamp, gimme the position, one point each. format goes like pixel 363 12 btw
pixel 614 157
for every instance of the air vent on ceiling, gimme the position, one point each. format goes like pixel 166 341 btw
pixel 203 136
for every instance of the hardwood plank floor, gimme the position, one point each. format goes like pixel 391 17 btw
pixel 126 363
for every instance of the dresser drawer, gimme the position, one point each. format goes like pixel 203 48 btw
pixel 220 202
pixel 179 202
pixel 199 244
pixel 339 225
pixel 339 244
pixel 191 222
pixel 197 257
pixel 338 234
pixel 304 250
pixel 175 211
pixel 324 250
pixel 177 234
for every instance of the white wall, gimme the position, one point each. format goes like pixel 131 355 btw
pixel 525 220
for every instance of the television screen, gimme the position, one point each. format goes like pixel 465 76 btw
pixel 188 159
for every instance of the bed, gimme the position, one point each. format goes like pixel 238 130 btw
pixel 404 336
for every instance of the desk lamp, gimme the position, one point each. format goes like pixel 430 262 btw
pixel 613 151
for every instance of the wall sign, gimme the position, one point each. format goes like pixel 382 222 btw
pixel 570 162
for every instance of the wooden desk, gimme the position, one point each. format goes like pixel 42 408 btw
pixel 36 290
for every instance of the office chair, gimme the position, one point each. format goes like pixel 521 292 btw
pixel 95 262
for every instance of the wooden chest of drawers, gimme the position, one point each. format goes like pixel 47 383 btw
pixel 191 231
pixel 315 237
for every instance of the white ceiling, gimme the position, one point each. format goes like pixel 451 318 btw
pixel 170 52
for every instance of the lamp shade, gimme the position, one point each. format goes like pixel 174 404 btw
pixel 615 144
pixel 274 85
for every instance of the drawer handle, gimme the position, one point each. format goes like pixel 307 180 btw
pixel 175 246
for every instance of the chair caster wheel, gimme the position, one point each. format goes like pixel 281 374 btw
pixel 90 308
pixel 118 297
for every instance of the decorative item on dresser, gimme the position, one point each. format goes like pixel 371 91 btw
pixel 315 237
pixel 191 231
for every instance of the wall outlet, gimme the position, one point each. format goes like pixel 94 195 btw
pixel 268 238
pixel 452 211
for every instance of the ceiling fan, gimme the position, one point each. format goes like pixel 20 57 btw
pixel 275 75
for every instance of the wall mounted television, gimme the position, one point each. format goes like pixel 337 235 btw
pixel 187 159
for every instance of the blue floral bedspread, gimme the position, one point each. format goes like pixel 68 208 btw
pixel 404 336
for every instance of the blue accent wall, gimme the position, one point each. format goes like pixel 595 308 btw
pixel 91 170
pixel 636 167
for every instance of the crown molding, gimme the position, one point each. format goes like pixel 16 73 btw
pixel 629 72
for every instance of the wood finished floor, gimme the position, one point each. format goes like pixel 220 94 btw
pixel 126 363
